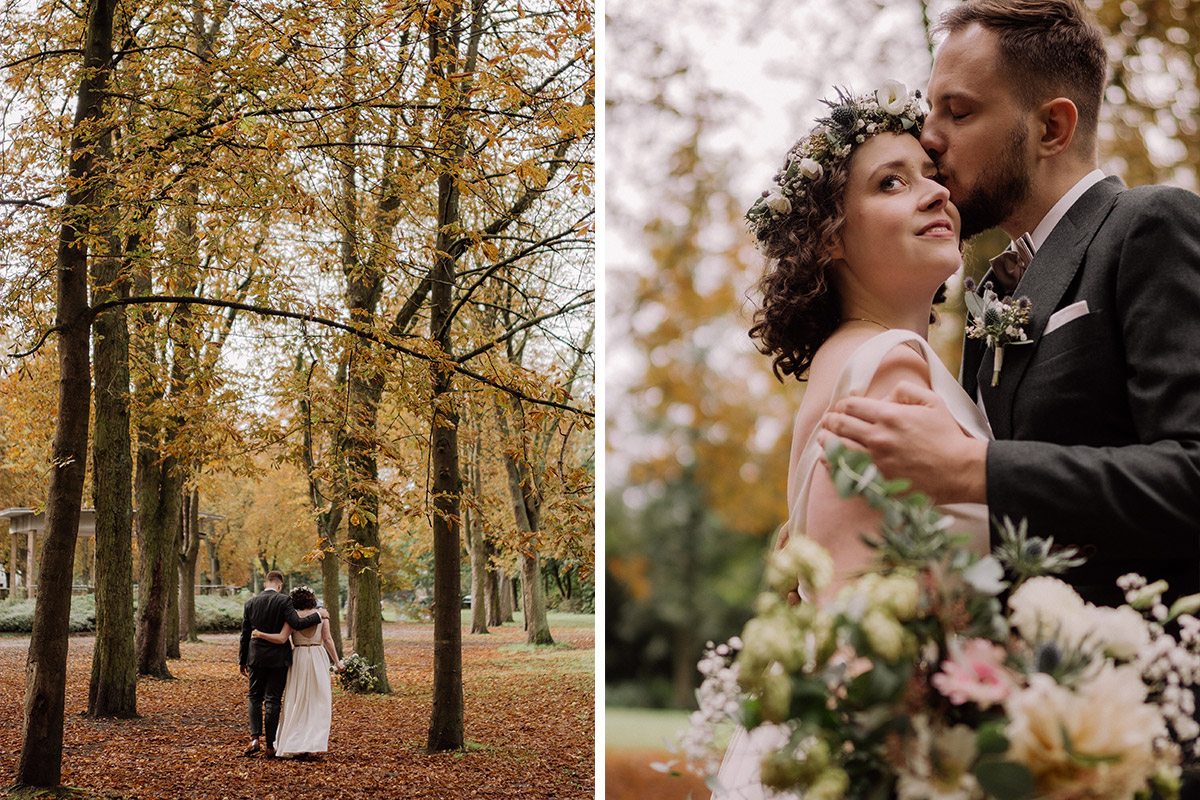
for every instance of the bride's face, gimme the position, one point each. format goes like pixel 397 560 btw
pixel 901 234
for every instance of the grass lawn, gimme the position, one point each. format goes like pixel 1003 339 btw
pixel 635 738
pixel 641 728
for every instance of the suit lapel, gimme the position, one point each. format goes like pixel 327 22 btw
pixel 1045 282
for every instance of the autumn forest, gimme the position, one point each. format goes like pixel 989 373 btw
pixel 306 287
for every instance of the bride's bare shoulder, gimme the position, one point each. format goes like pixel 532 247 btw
pixel 832 356
pixel 901 363
pixel 823 373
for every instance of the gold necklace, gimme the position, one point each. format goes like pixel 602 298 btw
pixel 864 319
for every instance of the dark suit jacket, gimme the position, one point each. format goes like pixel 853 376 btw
pixel 267 611
pixel 1098 422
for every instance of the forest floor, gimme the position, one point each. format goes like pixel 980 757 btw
pixel 529 725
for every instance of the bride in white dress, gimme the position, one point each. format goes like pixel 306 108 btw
pixel 307 697
pixel 857 248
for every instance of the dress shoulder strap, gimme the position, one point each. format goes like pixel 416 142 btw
pixel 856 376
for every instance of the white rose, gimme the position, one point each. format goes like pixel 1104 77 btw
pixel 778 203
pixel 1122 630
pixel 892 97
pixel 810 169
pixel 1045 608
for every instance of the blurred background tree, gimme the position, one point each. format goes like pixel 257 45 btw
pixel 699 111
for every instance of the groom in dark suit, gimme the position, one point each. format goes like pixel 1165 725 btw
pixel 264 662
pixel 1097 420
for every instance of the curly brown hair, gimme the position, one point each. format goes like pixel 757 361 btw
pixel 303 598
pixel 800 304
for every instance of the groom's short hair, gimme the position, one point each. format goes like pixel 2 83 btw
pixel 275 576
pixel 1048 48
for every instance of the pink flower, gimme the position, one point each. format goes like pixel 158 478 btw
pixel 974 672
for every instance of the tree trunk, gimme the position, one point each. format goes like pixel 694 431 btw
pixel 159 490
pixel 508 598
pixel 364 284
pixel 40 762
pixel 351 600
pixel 172 634
pixel 476 546
pixel 446 722
pixel 492 592
pixel 189 554
pixel 526 504
pixel 329 519
pixel 331 590
pixel 112 691
pixel 537 626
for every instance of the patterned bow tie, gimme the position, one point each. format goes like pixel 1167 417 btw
pixel 1010 265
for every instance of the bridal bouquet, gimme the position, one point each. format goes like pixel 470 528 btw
pixel 914 681
pixel 358 675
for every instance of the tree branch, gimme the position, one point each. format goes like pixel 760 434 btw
pixel 527 324
pixel 385 341
pixel 43 54
pixel 38 345
pixel 494 268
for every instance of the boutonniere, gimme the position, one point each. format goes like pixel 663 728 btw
pixel 999 322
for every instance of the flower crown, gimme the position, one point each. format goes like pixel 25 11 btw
pixel 852 120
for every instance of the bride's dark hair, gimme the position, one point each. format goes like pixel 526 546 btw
pixel 303 598
pixel 800 305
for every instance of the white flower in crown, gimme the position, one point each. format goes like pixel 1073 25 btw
pixel 778 203
pixel 810 169
pixel 892 97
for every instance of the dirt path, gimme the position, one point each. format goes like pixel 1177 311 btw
pixel 530 726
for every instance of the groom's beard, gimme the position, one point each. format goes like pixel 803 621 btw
pixel 1000 190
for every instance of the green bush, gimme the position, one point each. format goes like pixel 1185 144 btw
pixel 217 614
pixel 16 616
pixel 83 613
pixel 214 613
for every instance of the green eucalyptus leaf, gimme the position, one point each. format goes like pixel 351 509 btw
pixel 991 739
pixel 1005 780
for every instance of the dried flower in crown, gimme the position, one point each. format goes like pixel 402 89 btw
pixel 852 120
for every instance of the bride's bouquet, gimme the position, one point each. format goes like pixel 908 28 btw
pixel 915 681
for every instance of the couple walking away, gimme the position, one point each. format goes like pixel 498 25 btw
pixel 290 679
pixel 1086 422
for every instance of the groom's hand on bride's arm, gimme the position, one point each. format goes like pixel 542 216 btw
pixel 911 434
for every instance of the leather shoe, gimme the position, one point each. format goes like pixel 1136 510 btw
pixel 252 749
pixel 270 751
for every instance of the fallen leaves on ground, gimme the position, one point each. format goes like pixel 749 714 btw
pixel 529 726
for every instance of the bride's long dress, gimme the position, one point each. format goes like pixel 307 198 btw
pixel 739 774
pixel 307 698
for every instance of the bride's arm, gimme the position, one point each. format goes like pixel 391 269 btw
pixel 330 648
pixel 277 638
pixel 836 523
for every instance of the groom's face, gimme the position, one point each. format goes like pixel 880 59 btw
pixel 977 131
